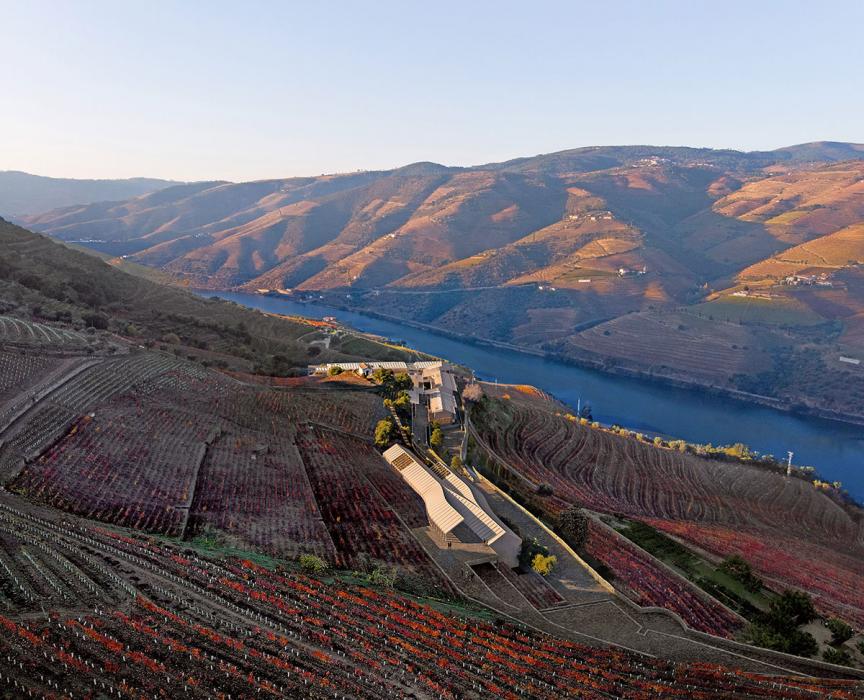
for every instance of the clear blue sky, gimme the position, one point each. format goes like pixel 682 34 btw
pixel 201 90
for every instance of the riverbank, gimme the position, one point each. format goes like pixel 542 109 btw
pixel 671 410
pixel 603 365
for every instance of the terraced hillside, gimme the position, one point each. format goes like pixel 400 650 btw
pixel 793 533
pixel 131 616
pixel 566 253
pixel 158 444
pixel 54 290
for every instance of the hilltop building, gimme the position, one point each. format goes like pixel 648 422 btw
pixel 435 388
pixel 458 512
pixel 370 366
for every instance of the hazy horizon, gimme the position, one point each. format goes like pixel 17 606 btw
pixel 198 91
pixel 401 165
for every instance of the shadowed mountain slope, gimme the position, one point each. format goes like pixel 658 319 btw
pixel 22 193
pixel 618 256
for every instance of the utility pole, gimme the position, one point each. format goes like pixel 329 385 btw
pixel 789 464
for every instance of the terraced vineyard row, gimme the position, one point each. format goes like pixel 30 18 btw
pixel 172 623
pixel 253 486
pixel 650 585
pixel 131 464
pixel 692 497
pixel 153 443
pixel 19 331
pixel 358 518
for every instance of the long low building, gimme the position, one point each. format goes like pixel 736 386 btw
pixel 457 512
pixel 371 365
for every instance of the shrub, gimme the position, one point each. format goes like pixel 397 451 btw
pixel 736 567
pixel 543 564
pixel 840 631
pixel 385 432
pixel 312 564
pixel 545 489
pixel 334 371
pixel 382 576
pixel 473 393
pixel 530 549
pixel 837 656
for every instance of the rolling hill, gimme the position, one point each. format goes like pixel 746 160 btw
pixel 22 193
pixel 46 282
pixel 613 256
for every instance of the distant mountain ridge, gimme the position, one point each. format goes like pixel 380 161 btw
pixel 739 271
pixel 22 193
pixel 399 227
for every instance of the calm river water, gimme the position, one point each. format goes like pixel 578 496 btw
pixel 835 449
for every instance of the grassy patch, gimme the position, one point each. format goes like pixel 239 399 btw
pixel 698 570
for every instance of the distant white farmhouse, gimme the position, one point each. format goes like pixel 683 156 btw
pixel 457 511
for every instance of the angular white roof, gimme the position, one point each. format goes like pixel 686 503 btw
pixel 419 478
pixel 449 500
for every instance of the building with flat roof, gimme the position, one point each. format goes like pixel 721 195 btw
pixel 372 365
pixel 435 385
pixel 457 511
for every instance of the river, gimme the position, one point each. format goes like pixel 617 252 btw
pixel 835 449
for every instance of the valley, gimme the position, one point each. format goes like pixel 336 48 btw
pixel 179 492
pixel 732 271
pixel 654 408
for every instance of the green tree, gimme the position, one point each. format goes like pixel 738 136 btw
pixel 736 567
pixel 841 657
pixel 456 463
pixel 790 610
pixel 436 439
pixel 402 382
pixel 98 321
pixel 403 402
pixel 840 631
pixel 380 375
pixel 385 433
pixel 335 371
pixel 789 642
